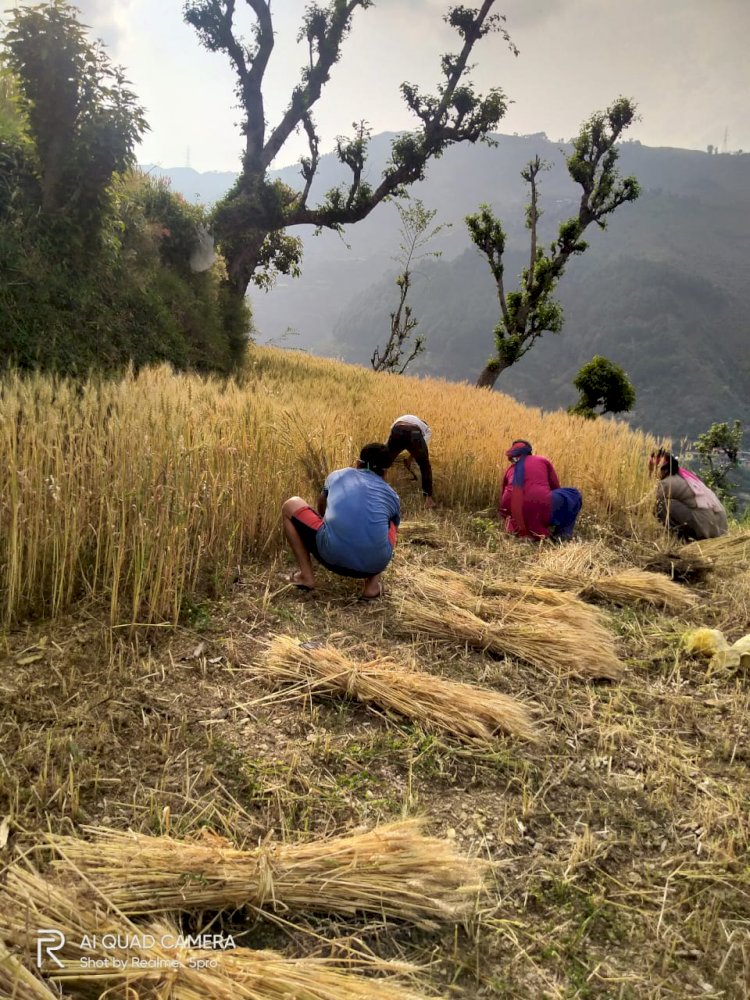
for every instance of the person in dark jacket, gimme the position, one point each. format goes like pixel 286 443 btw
pixel 411 434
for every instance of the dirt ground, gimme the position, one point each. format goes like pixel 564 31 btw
pixel 620 839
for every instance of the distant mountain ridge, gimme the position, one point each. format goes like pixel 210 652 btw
pixel 663 292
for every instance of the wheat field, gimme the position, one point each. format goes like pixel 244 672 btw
pixel 142 491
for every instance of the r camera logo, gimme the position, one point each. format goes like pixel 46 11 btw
pixel 49 941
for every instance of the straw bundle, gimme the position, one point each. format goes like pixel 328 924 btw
pixel 578 568
pixel 638 586
pixel 464 584
pixel 392 870
pixel 730 551
pixel 244 974
pixel 239 974
pixel 686 568
pixel 28 902
pixel 539 636
pixel 477 596
pixel 465 711
pixel 529 592
pixel 633 586
pixel 17 983
pixel 167 971
pixel 420 533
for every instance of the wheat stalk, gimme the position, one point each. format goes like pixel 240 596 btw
pixel 465 711
pixel 537 635
pixel 392 870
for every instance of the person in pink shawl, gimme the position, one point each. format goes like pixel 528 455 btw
pixel 683 501
pixel 526 492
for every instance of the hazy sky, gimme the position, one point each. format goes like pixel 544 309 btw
pixel 685 62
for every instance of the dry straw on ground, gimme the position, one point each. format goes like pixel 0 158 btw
pixel 161 971
pixel 427 533
pixel 583 569
pixel 729 552
pixel 481 597
pixel 638 586
pixel 631 586
pixel 537 635
pixel 465 711
pixel 392 871
pixel 17 983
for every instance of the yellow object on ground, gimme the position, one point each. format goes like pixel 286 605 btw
pixel 706 641
pixel 711 642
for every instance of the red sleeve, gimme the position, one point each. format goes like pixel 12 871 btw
pixel 554 482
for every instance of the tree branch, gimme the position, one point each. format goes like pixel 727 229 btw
pixel 329 38
pixel 253 83
pixel 309 163
pixel 456 69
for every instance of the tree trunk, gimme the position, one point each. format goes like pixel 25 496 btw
pixel 490 374
pixel 242 260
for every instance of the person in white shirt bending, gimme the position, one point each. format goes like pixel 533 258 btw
pixel 411 434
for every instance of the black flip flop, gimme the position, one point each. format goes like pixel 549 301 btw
pixel 289 578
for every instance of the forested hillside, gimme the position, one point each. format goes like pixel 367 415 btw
pixel 661 292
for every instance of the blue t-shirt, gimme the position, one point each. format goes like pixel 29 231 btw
pixel 359 512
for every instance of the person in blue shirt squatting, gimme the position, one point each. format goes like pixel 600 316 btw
pixel 353 532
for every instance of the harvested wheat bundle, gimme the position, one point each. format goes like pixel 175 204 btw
pixel 464 584
pixel 183 973
pixel 637 586
pixel 245 974
pixel 633 586
pixel 465 711
pixel 17 983
pixel 539 636
pixel 730 551
pixel 519 599
pixel 420 533
pixel 28 901
pixel 392 870
pixel 155 963
pixel 690 568
pixel 528 592
pixel 576 568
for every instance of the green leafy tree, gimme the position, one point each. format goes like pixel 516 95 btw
pixel 250 223
pixel 95 260
pixel 601 383
pixel 416 233
pixel 718 449
pixel 11 119
pixel 81 117
pixel 530 311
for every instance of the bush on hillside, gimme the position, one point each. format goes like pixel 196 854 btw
pixel 135 301
pixel 94 259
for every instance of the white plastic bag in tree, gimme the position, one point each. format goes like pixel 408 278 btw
pixel 203 255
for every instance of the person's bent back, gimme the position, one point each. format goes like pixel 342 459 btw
pixel 359 528
pixel 353 531
pixel 685 504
